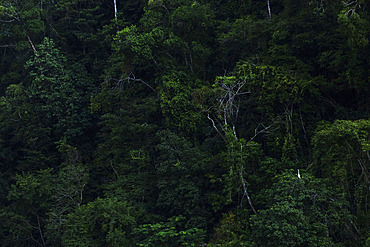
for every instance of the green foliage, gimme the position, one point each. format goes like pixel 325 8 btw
pixel 341 153
pixel 54 92
pixel 51 106
pixel 177 102
pixel 123 161
pixel 107 222
pixel 168 233
pixel 67 191
pixel 233 38
pixel 30 199
pixel 182 189
pixel 114 100
pixel 15 229
pixel 80 25
pixel 301 211
pixel 276 88
pixel 230 231
pixel 24 17
pixel 239 162
pixel 183 41
pixel 355 30
pixel 29 190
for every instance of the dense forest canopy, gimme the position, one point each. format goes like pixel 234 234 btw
pixel 184 123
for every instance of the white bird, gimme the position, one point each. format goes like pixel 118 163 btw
pixel 299 175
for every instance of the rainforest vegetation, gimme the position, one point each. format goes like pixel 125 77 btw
pixel 185 123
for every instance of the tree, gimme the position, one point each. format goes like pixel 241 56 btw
pixel 102 222
pixel 22 25
pixel 168 233
pixel 341 153
pixel 129 115
pixel 178 105
pixel 182 188
pixel 67 192
pixel 301 211
pixel 29 199
pixel 58 98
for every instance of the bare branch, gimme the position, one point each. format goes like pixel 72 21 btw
pixel 40 231
pixel 264 130
pixel 132 77
pixel 37 242
pixel 227 106
pixel 115 9
pixel 31 43
pixel 268 8
pixel 114 169
pixel 4 46
pixel 7 21
pixel 79 204
pixel 246 193
pixel 215 127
